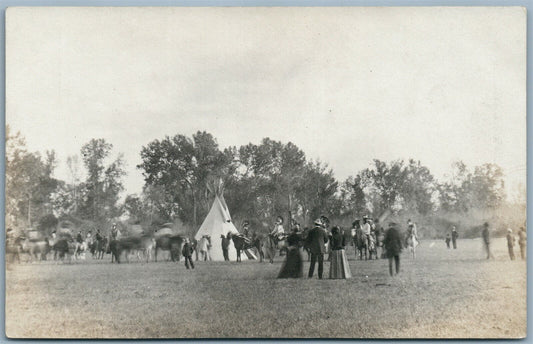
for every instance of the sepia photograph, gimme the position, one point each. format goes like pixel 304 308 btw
pixel 265 172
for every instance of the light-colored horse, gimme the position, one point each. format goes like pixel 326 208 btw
pixel 412 243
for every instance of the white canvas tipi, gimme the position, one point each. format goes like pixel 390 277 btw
pixel 217 223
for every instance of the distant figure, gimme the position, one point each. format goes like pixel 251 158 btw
pixel 79 238
pixel 246 229
pixel 522 238
pixel 339 267
pixel 411 231
pixel 204 245
pixel 278 230
pixel 510 243
pixel 454 237
pixel 293 265
pixel 485 234
pixel 367 227
pixel 393 247
pixel 448 239
pixel 316 239
pixel 186 251
pixel 115 232
pixel 225 246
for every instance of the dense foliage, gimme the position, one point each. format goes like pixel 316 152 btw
pixel 261 181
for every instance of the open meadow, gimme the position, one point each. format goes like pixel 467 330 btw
pixel 442 294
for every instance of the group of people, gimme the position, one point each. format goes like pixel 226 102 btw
pixel 522 237
pixel 316 240
pixel 452 236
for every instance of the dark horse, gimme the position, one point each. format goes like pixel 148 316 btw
pixel 360 243
pixel 242 243
pixel 171 243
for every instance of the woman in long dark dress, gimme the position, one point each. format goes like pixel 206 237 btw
pixel 293 265
pixel 339 268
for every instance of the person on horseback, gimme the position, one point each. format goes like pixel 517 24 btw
pixel 411 231
pixel 115 232
pixel 278 231
pixel 246 229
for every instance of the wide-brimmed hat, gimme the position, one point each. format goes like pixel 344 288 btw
pixel 509 230
pixel 318 222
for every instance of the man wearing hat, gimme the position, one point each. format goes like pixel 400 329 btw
pixel 393 246
pixel 510 243
pixel 316 240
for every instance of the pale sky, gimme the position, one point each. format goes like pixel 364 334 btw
pixel 346 85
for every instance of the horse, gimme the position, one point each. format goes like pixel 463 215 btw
pixel 36 248
pixel 101 246
pixel 241 243
pixel 170 243
pixel 64 248
pixel 412 243
pixel 80 249
pixel 14 248
pixel 372 246
pixel 271 244
pixel 361 243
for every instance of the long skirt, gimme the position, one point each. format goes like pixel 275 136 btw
pixel 293 265
pixel 339 267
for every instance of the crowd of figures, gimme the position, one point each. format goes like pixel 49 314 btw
pixel 369 240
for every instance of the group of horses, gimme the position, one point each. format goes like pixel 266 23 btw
pixel 66 248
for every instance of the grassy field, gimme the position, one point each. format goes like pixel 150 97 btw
pixel 442 294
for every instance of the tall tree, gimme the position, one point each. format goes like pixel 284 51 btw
pixel 183 167
pixel 103 184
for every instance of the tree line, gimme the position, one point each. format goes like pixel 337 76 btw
pixel 261 182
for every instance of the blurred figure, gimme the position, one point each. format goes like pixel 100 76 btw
pixel 393 247
pixel 485 234
pixel 339 268
pixel 186 251
pixel 448 239
pixel 293 265
pixel 510 243
pixel 522 238
pixel 455 235
pixel 204 245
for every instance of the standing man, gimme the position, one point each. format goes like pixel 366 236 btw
pixel 187 253
pixel 485 234
pixel 510 243
pixel 522 237
pixel 366 230
pixel 316 240
pixel 393 247
pixel 455 235
pixel 225 246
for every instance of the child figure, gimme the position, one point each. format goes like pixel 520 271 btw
pixel 448 239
